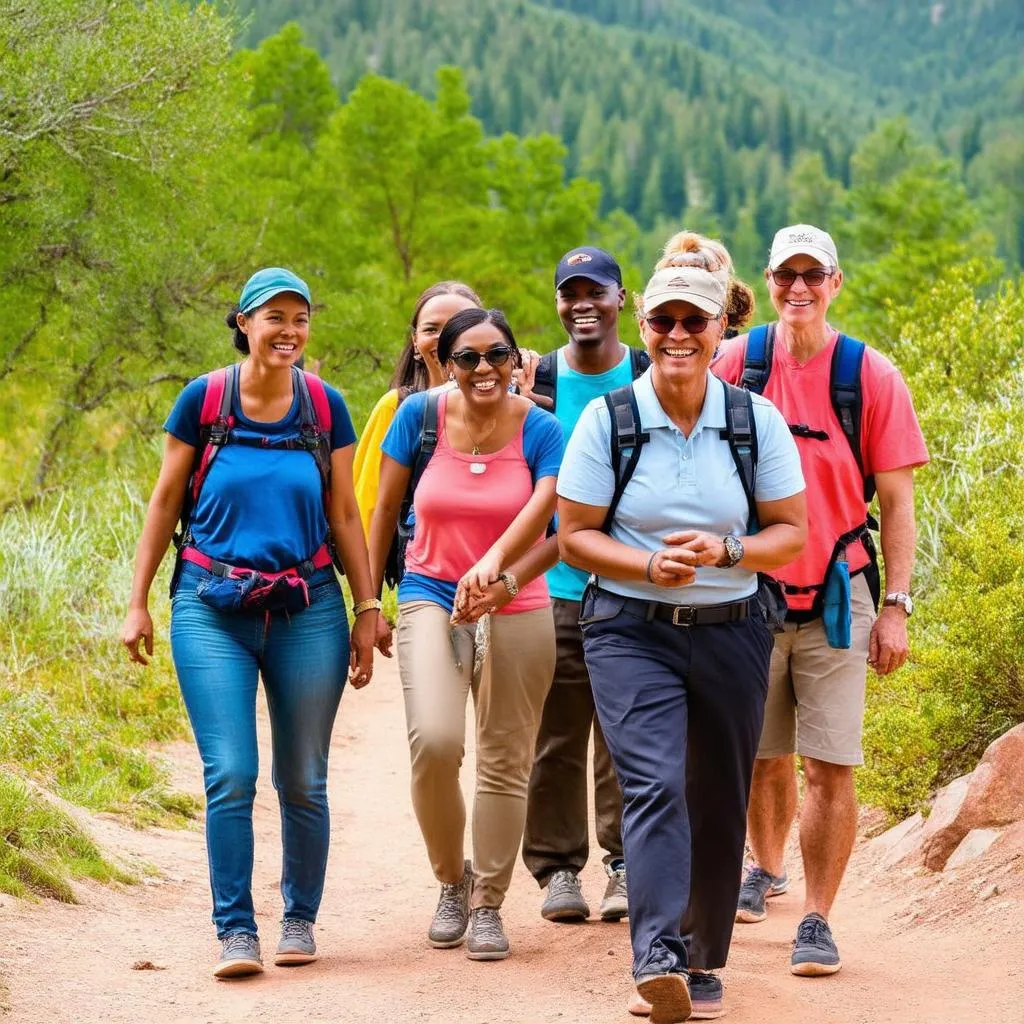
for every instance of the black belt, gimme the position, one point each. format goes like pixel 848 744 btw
pixel 687 614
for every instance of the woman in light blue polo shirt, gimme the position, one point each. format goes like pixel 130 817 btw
pixel 675 633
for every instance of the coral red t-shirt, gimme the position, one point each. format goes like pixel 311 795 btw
pixel 890 439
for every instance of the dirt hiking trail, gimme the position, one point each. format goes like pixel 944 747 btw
pixel 916 950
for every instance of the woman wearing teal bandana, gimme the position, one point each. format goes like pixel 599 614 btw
pixel 258 463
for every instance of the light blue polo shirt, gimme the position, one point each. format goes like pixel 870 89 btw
pixel 575 391
pixel 680 483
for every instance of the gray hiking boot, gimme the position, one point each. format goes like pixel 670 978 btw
pixel 297 945
pixel 451 919
pixel 564 901
pixel 758 886
pixel 487 938
pixel 814 950
pixel 239 956
pixel 615 906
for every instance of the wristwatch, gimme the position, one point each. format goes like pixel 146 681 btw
pixel 733 551
pixel 900 600
pixel 511 583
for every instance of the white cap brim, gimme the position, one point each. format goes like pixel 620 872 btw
pixel 655 299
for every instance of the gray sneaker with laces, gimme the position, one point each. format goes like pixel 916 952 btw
pixel 297 945
pixel 239 956
pixel 487 938
pixel 564 901
pixel 615 906
pixel 758 886
pixel 451 919
pixel 814 950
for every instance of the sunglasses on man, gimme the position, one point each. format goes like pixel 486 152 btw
pixel 813 278
pixel 468 359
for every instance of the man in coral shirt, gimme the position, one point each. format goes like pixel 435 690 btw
pixel 815 704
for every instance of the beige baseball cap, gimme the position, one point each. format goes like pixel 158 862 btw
pixel 686 284
pixel 803 240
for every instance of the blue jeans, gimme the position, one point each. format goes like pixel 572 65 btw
pixel 681 709
pixel 304 661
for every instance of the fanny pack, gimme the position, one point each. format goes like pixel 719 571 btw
pixel 232 588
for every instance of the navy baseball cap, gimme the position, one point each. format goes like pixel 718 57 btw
pixel 589 262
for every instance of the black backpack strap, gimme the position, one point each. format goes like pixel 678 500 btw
pixel 741 433
pixel 428 443
pixel 639 360
pixel 545 380
pixel 847 399
pixel 757 362
pixel 626 435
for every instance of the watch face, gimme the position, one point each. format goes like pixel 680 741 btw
pixel 908 604
pixel 733 548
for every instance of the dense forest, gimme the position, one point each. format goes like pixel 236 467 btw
pixel 707 113
pixel 153 154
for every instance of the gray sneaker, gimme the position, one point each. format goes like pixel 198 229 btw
pixel 297 945
pixel 239 956
pixel 814 950
pixel 487 938
pixel 615 906
pixel 451 919
pixel 758 886
pixel 564 901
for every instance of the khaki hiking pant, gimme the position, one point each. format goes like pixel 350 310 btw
pixel 436 667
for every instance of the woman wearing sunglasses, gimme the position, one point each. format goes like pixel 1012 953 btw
pixel 676 641
pixel 418 369
pixel 481 508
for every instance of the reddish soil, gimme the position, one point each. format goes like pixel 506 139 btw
pixel 917 949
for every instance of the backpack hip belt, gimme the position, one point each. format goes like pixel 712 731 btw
pixel 321 559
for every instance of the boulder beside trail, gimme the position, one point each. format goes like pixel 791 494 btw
pixel 991 796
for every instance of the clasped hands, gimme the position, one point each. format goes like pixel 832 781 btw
pixel 480 591
pixel 675 565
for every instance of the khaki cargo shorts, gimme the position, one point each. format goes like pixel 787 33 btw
pixel 815 704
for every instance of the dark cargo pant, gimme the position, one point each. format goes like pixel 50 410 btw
pixel 557 833
pixel 681 708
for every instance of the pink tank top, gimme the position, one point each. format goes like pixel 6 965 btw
pixel 461 513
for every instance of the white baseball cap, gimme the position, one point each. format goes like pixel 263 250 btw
pixel 803 240
pixel 686 284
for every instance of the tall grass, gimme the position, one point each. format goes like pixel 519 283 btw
pixel 75 715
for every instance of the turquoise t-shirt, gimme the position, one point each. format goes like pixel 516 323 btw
pixel 574 393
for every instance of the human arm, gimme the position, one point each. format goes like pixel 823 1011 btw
pixel 394 481
pixel 161 517
pixel 347 534
pixel 536 561
pixel 526 377
pixel 889 646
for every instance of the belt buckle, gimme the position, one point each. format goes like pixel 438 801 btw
pixel 689 619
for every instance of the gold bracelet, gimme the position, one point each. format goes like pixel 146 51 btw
pixel 371 603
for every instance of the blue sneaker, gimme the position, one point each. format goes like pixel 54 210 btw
pixel 814 949
pixel 706 995
pixel 297 945
pixel 239 956
pixel 758 886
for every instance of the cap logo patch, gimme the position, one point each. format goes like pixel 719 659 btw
pixel 678 282
pixel 579 257
pixel 801 238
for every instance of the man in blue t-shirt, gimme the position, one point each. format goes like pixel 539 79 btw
pixel 589 297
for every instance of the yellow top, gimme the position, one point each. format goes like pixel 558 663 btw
pixel 366 468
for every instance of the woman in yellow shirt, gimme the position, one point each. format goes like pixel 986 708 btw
pixel 418 369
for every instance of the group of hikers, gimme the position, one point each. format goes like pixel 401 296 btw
pixel 664 549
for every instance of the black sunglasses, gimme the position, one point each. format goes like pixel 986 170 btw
pixel 813 278
pixel 469 359
pixel 662 323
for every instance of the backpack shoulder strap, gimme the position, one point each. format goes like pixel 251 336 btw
pixel 318 397
pixel 741 433
pixel 627 434
pixel 545 380
pixel 757 362
pixel 428 438
pixel 639 360
pixel 847 398
pixel 217 397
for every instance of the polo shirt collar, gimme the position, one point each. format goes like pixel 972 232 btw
pixel 652 415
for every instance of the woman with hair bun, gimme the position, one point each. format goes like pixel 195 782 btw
pixel 418 369
pixel 260 456
pixel 481 509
